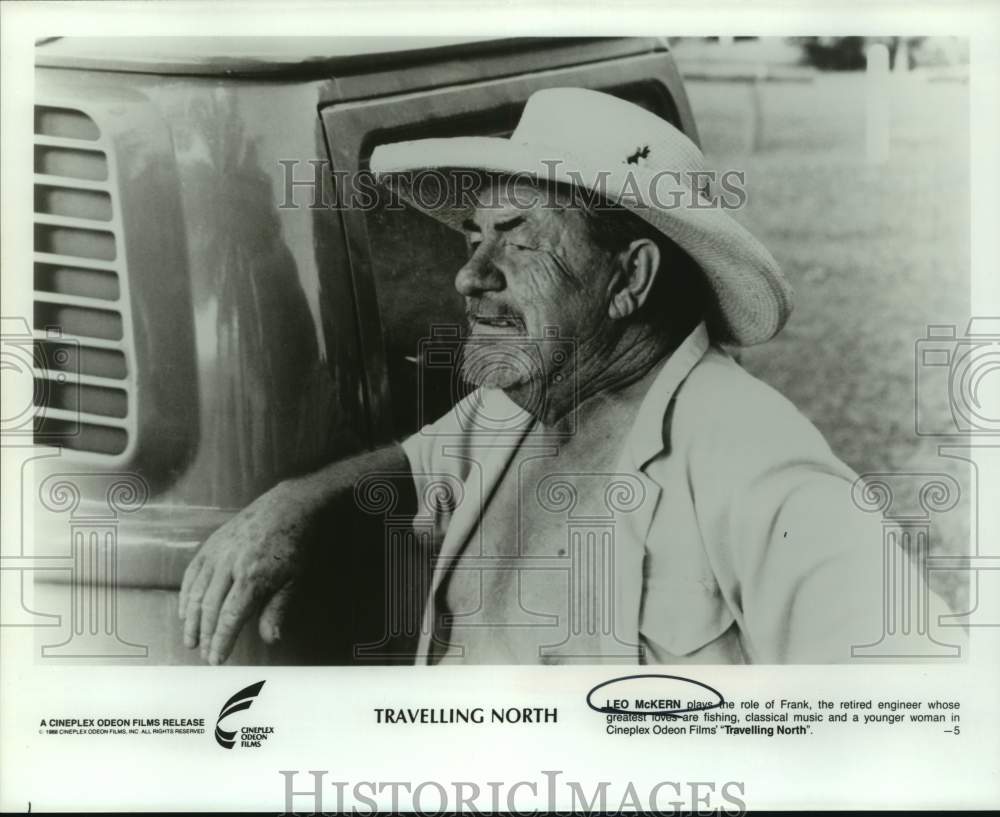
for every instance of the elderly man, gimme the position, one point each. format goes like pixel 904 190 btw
pixel 620 489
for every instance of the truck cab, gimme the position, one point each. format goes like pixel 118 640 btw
pixel 210 318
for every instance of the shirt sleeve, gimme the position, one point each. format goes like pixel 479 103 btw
pixel 439 454
pixel 808 564
pixel 802 564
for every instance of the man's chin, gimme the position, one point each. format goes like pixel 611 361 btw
pixel 500 362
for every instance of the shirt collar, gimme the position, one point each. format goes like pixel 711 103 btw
pixel 645 439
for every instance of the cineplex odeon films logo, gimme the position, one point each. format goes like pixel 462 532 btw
pixel 246 737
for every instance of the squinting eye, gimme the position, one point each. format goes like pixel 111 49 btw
pixel 524 247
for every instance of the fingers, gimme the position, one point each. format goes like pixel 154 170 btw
pixel 215 596
pixel 192 607
pixel 273 614
pixel 238 607
pixel 190 574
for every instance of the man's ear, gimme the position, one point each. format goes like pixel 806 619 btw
pixel 638 266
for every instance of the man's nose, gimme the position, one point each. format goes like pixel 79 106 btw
pixel 479 275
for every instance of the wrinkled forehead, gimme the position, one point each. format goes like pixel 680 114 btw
pixel 496 191
pixel 502 198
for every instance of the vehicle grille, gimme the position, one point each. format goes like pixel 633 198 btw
pixel 84 383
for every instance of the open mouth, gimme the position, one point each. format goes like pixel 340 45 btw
pixel 499 321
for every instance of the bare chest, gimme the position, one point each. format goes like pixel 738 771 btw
pixel 533 574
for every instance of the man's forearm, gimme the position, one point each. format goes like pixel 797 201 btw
pixel 255 557
pixel 333 485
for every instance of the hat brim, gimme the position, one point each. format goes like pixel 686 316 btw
pixel 753 298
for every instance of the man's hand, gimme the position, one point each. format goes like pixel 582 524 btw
pixel 250 562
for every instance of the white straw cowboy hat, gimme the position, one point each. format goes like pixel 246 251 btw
pixel 634 158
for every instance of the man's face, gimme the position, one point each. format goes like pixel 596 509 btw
pixel 532 269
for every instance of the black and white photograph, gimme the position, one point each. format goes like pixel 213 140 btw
pixel 501 367
pixel 656 367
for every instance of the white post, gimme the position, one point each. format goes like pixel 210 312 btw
pixel 877 113
pixel 902 63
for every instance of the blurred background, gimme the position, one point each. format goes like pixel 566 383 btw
pixel 858 183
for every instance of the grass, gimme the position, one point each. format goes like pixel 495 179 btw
pixel 876 253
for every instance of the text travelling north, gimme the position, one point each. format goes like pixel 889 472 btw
pixel 477 714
